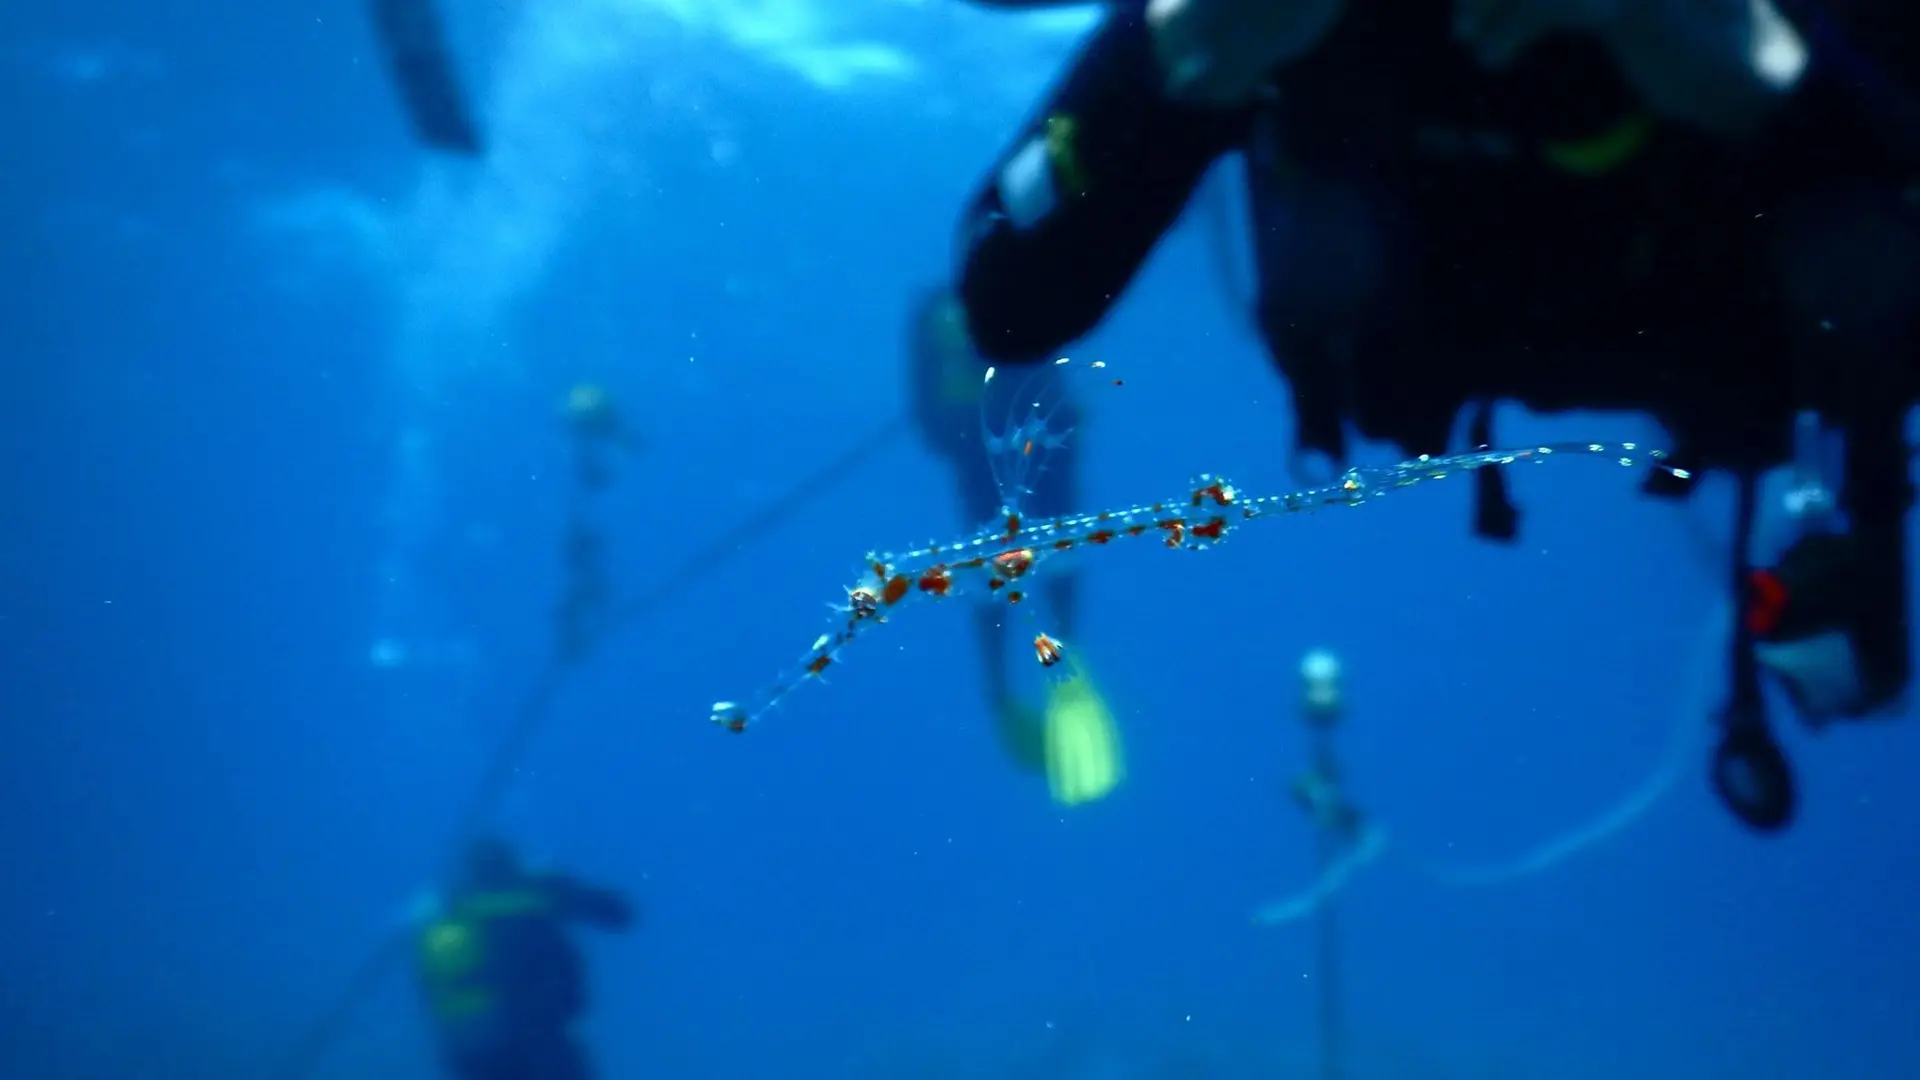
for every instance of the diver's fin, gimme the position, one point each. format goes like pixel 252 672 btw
pixel 414 40
pixel 1084 759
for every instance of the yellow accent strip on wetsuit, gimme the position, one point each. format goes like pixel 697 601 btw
pixel 451 954
pixel 1601 153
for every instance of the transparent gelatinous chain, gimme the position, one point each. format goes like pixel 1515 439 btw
pixel 998 561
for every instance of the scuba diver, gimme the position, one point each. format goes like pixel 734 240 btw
pixel 1319 792
pixel 1692 210
pixel 414 39
pixel 1341 840
pixel 502 982
pixel 598 433
pixel 1072 739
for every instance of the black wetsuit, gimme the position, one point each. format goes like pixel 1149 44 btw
pixel 1476 246
pixel 1426 241
pixel 1470 256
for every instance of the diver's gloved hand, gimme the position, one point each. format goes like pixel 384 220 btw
pixel 1220 52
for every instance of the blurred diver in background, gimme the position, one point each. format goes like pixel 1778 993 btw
pixel 1321 792
pixel 1693 209
pixel 503 983
pixel 1072 738
pixel 600 432
pixel 601 437
pixel 414 39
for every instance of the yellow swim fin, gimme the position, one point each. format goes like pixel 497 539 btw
pixel 1084 758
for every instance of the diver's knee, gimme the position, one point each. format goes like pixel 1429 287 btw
pixel 1018 296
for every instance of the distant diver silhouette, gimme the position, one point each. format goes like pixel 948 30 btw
pixel 413 37
pixel 583 621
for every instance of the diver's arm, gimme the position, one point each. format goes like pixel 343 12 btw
pixel 1066 217
pixel 578 901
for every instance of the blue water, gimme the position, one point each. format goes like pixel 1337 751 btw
pixel 286 487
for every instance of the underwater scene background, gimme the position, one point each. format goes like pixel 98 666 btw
pixel 290 486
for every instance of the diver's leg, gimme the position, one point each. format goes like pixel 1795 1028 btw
pixel 494 1066
pixel 1073 208
pixel 458 1067
pixel 476 1054
pixel 567 1061
pixel 1063 598
pixel 1020 729
pixel 1876 492
pixel 552 1055
pixel 1055 493
pixel 989 634
pixel 1850 265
